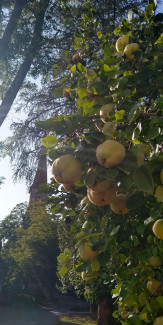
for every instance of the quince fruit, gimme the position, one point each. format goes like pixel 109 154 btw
pixel 66 169
pixel 110 153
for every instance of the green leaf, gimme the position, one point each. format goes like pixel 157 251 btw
pixel 131 300
pixel 80 67
pixel 152 133
pixel 119 115
pixel 133 114
pixel 142 298
pixel 160 301
pixel 143 179
pixel 91 74
pixel 135 201
pixel 83 267
pixel 95 265
pixel 62 257
pixel 107 50
pixel 58 92
pixel 49 141
pixel 63 271
pixel 99 34
pixel 114 231
pixel 82 92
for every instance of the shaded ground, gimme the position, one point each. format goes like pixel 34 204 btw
pixel 24 311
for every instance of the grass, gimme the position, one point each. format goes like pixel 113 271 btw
pixel 77 319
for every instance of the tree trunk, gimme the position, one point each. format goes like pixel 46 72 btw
pixel 103 313
pixel 25 67
pixel 11 26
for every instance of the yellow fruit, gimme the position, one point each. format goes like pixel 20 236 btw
pixel 68 187
pixel 158 228
pixel 155 261
pixel 161 175
pixel 119 204
pixel 121 43
pixel 130 49
pixel 86 276
pixel 101 198
pixel 100 185
pixel 159 193
pixel 158 321
pixel 110 153
pixel 86 252
pixel 66 169
pixel 153 285
pixel 105 109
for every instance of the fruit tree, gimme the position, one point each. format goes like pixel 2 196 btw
pixel 114 146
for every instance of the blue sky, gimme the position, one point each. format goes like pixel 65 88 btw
pixel 12 194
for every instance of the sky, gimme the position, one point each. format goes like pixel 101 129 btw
pixel 11 194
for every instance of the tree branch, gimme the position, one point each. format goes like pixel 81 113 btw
pixel 25 67
pixel 4 41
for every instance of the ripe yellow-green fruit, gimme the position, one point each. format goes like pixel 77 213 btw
pixel 66 169
pixel 153 285
pixel 110 153
pixel 118 206
pixel 68 187
pixel 105 109
pixel 161 175
pixel 86 252
pixel 158 321
pixel 158 228
pixel 101 198
pixel 100 185
pixel 86 276
pixel 159 193
pixel 76 58
pixel 130 49
pixel 121 43
pixel 155 261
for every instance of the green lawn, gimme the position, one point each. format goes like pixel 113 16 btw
pixel 76 319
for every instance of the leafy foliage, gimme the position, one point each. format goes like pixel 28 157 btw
pixel 125 242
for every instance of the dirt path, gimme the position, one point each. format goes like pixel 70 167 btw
pixel 24 311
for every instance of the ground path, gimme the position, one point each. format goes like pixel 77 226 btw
pixel 24 311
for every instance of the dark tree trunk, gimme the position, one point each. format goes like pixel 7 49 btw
pixel 4 41
pixel 25 67
pixel 103 313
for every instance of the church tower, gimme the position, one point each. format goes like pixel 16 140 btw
pixel 40 178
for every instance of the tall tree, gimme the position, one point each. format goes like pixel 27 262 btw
pixel 4 41
pixel 24 68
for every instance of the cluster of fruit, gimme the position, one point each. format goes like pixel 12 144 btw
pixel 128 49
pixel 67 170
